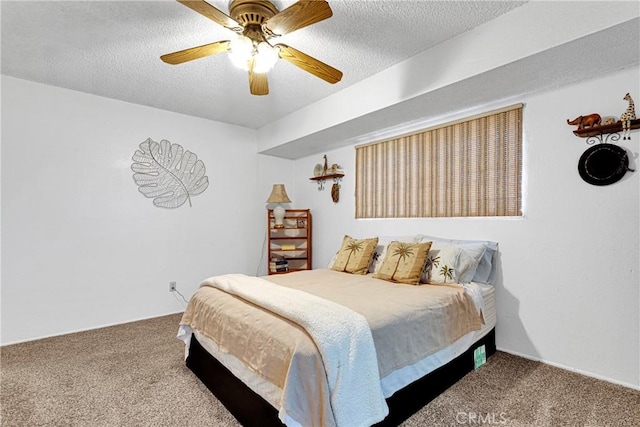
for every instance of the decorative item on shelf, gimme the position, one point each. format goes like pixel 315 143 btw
pixel 335 192
pixel 278 265
pixel 596 129
pixel 589 121
pixel 278 195
pixel 323 172
pixel 626 117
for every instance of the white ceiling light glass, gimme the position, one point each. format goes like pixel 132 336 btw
pixel 266 58
pixel 241 51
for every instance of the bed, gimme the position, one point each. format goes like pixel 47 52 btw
pixel 269 367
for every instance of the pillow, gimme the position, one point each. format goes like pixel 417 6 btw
pixel 354 255
pixel 485 262
pixel 475 251
pixel 403 262
pixel 448 263
pixel 381 249
pixel 485 272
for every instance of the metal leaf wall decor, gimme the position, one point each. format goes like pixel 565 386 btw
pixel 167 173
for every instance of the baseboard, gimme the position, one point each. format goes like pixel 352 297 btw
pixel 93 328
pixel 568 368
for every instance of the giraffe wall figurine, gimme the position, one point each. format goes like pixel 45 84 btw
pixel 626 117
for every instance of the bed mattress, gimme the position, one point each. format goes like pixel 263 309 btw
pixel 402 377
pixel 390 383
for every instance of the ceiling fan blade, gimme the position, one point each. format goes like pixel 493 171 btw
pixel 299 15
pixel 211 12
pixel 310 64
pixel 258 83
pixel 195 52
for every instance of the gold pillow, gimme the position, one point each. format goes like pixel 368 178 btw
pixel 404 262
pixel 355 255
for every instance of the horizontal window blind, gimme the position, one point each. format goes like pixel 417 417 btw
pixel 463 169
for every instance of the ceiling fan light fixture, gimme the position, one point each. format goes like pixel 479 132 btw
pixel 241 51
pixel 255 23
pixel 265 58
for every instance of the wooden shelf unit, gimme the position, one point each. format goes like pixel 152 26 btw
pixel 291 243
pixel 605 129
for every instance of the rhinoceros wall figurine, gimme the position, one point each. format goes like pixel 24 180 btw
pixel 586 121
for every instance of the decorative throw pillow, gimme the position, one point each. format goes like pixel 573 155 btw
pixel 403 262
pixel 354 255
pixel 448 263
pixel 381 249
pixel 486 270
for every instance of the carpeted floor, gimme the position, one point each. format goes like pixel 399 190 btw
pixel 134 375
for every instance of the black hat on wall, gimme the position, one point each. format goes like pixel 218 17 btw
pixel 603 164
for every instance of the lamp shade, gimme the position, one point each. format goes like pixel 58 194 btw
pixel 278 194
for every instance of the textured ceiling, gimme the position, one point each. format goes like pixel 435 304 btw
pixel 112 49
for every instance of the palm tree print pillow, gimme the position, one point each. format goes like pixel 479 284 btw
pixel 403 262
pixel 355 255
pixel 446 264
pixel 381 249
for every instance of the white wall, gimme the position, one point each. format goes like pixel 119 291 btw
pixel 569 270
pixel 82 248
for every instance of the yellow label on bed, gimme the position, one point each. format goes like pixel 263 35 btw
pixel 479 356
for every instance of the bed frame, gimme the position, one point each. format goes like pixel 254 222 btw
pixel 252 410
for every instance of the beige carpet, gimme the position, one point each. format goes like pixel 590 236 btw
pixel 134 375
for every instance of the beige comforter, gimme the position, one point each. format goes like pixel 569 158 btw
pixel 407 322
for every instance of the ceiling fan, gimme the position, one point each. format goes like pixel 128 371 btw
pixel 256 23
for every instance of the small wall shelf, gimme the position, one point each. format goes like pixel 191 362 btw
pixel 337 177
pixel 322 172
pixel 595 133
pixel 335 188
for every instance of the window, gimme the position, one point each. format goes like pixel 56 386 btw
pixel 462 169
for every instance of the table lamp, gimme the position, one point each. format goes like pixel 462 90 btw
pixel 278 196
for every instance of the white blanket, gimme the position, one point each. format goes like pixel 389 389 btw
pixel 343 338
